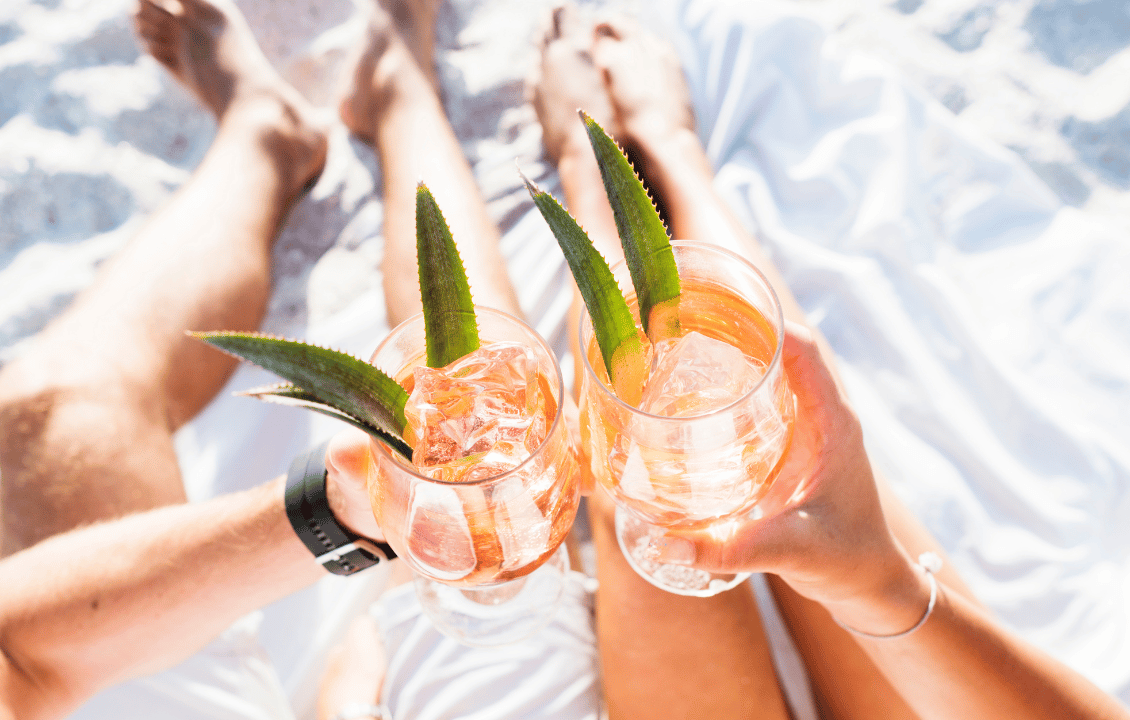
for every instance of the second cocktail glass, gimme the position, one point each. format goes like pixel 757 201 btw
pixel 703 445
pixel 484 532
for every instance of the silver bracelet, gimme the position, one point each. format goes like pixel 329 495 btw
pixel 930 564
pixel 355 711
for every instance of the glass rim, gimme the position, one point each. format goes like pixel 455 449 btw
pixel 557 417
pixel 586 320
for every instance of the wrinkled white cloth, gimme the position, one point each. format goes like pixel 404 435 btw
pixel 983 330
pixel 552 675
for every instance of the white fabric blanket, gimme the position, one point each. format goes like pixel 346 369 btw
pixel 982 326
pixel 983 329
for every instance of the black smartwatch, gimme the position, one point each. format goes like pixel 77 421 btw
pixel 338 550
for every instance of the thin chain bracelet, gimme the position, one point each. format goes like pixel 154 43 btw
pixel 356 711
pixel 930 564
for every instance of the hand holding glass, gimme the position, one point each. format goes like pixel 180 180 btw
pixel 483 531
pixel 702 448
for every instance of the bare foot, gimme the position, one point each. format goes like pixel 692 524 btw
pixel 397 57
pixel 208 47
pixel 644 78
pixel 355 670
pixel 568 80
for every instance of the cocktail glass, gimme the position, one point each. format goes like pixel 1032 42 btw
pixel 703 446
pixel 490 569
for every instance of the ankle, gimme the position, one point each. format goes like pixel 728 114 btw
pixel 286 131
pixel 574 148
pixel 662 141
pixel 398 81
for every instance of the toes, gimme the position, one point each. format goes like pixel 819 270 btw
pixel 552 27
pixel 567 21
pixel 205 10
pixel 155 26
pixel 615 26
pixel 558 18
pixel 151 11
pixel 154 22
pixel 605 30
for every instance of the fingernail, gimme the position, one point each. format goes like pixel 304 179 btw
pixel 674 551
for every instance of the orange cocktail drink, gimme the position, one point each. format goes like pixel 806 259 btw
pixel 491 489
pixel 703 444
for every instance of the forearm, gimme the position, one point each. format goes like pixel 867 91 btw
pixel 101 604
pixel 961 663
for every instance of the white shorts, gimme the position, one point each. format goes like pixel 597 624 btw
pixel 553 675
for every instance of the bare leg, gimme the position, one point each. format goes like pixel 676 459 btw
pixel 355 670
pixel 394 105
pixel 657 121
pixel 662 655
pixel 87 414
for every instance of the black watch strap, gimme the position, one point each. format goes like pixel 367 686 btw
pixel 339 550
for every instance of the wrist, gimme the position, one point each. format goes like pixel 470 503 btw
pixel 896 600
pixel 337 548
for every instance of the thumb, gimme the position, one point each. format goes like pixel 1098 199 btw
pixel 347 482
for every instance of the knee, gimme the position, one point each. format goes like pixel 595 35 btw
pixel 35 391
pixel 26 398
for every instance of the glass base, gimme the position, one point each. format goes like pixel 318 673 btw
pixel 636 543
pixel 496 615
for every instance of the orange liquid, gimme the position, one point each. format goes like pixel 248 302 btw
pixel 652 469
pixel 480 532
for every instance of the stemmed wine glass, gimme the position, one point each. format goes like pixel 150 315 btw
pixel 486 546
pixel 702 447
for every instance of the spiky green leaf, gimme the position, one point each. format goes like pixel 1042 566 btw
pixel 295 396
pixel 647 247
pixel 347 384
pixel 449 311
pixel 612 321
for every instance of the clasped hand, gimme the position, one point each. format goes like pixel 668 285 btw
pixel 821 526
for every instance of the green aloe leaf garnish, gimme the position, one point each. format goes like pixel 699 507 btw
pixel 612 321
pixel 349 389
pixel 647 247
pixel 297 397
pixel 449 311
pixel 327 377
